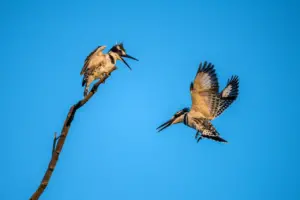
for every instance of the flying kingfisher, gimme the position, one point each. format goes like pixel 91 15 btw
pixel 97 65
pixel 207 103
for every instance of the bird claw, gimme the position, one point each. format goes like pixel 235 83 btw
pixel 105 76
pixel 199 139
pixel 198 136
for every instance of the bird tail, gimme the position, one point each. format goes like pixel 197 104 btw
pixel 216 138
pixel 209 131
pixel 86 90
pixel 86 87
pixel 83 81
pixel 87 80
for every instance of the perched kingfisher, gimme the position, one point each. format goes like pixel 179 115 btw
pixel 97 65
pixel 207 103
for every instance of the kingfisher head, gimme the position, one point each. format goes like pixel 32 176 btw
pixel 120 52
pixel 177 118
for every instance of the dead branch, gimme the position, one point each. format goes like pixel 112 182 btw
pixel 58 145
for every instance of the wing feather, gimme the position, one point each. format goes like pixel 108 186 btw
pixel 89 58
pixel 204 91
pixel 228 95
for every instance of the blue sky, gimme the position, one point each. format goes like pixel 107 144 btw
pixel 113 150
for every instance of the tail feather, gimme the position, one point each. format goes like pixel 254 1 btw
pixel 216 138
pixel 207 130
pixel 86 91
pixel 83 81
pixel 87 80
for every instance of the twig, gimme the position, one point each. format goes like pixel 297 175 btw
pixel 61 139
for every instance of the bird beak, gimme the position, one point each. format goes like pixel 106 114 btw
pixel 128 56
pixel 125 63
pixel 165 125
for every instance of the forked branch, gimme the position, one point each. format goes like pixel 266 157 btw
pixel 58 145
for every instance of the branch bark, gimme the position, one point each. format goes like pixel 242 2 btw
pixel 61 140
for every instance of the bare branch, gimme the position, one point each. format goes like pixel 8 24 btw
pixel 57 147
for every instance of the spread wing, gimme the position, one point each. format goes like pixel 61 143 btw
pixel 204 91
pixel 90 57
pixel 228 95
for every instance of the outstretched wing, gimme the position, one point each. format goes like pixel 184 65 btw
pixel 228 95
pixel 204 91
pixel 91 56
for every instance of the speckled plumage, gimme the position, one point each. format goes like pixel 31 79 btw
pixel 207 103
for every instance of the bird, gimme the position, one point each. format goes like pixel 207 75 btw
pixel 207 103
pixel 97 65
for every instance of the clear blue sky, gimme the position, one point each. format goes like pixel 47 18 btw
pixel 113 150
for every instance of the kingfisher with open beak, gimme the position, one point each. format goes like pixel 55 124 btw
pixel 97 64
pixel 207 103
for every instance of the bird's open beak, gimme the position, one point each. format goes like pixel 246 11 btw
pixel 165 125
pixel 128 56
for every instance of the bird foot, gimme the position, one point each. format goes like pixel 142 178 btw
pixel 198 136
pixel 105 76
